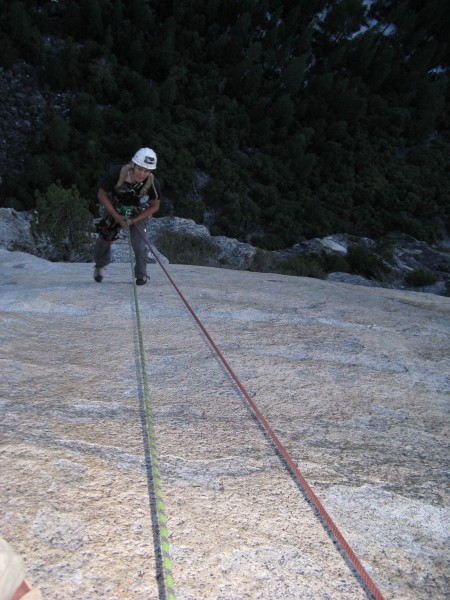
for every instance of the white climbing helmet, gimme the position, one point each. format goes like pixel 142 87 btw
pixel 145 158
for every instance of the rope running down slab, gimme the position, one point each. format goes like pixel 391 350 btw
pixel 156 479
pixel 342 542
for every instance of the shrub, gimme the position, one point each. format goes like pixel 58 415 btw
pixel 302 266
pixel 263 262
pixel 420 278
pixel 63 222
pixel 363 261
pixel 385 248
pixel 184 249
pixel 331 263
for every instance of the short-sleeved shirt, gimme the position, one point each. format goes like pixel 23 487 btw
pixel 128 193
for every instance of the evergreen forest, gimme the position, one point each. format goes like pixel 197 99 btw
pixel 273 121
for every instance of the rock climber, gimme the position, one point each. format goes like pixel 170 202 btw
pixel 130 195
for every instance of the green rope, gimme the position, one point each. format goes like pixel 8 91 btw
pixel 163 534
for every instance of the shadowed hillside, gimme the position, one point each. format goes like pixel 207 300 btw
pixel 273 121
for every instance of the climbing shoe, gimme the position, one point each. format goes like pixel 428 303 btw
pixel 141 280
pixel 98 274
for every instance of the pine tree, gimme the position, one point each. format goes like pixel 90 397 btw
pixel 63 222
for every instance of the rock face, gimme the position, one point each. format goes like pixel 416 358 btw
pixel 22 109
pixel 230 252
pixel 406 254
pixel 186 226
pixel 15 233
pixel 413 254
pixel 353 380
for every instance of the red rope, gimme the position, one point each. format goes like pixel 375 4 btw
pixel 295 470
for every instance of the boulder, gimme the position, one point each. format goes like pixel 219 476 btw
pixel 410 254
pixel 15 231
pixel 231 253
pixel 331 244
pixel 178 225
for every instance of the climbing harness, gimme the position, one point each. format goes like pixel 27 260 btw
pixel 156 475
pixel 109 228
pixel 326 520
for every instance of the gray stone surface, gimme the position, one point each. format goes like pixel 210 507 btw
pixel 230 252
pixel 353 279
pixel 353 380
pixel 15 231
pixel 187 226
pixel 408 254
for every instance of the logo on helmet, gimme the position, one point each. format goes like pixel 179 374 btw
pixel 145 158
